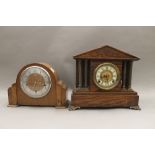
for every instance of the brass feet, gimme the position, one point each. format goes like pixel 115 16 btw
pixel 135 107
pixel 72 108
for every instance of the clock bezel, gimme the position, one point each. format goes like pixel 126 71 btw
pixel 117 71
pixel 30 95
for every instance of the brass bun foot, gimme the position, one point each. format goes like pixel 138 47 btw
pixel 72 108
pixel 135 107
pixel 12 105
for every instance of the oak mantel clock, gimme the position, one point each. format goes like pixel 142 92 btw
pixel 37 84
pixel 103 79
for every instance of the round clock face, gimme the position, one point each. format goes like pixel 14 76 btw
pixel 106 76
pixel 35 81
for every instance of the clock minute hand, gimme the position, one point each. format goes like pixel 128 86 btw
pixel 34 85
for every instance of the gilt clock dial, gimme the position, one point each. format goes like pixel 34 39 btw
pixel 106 76
pixel 35 81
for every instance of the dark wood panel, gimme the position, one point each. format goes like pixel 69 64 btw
pixel 106 53
pixel 104 100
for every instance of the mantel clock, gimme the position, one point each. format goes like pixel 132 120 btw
pixel 103 79
pixel 37 84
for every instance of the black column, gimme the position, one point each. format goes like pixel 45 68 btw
pixel 86 73
pixel 129 74
pixel 79 73
pixel 77 76
pixel 124 71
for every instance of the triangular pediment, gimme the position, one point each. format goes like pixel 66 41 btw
pixel 106 52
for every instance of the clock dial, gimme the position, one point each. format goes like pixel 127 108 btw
pixel 106 76
pixel 35 81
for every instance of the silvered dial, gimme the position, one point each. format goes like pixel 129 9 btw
pixel 35 81
pixel 106 76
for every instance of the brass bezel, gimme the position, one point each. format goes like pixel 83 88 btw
pixel 117 71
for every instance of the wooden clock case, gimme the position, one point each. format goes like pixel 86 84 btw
pixel 55 97
pixel 87 94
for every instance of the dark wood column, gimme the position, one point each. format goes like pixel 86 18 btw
pixel 79 73
pixel 124 71
pixel 86 73
pixel 129 74
pixel 77 76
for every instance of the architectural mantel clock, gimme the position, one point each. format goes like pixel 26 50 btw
pixel 103 79
pixel 37 84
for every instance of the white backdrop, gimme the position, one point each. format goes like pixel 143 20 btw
pixel 56 46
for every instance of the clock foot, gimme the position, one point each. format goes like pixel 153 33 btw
pixel 67 104
pixel 72 108
pixel 15 105
pixel 135 107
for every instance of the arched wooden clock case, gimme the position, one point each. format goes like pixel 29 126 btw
pixel 91 92
pixel 55 96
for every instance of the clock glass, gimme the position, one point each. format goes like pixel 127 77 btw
pixel 107 76
pixel 35 81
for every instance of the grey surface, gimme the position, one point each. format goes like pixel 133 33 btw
pixel 57 45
